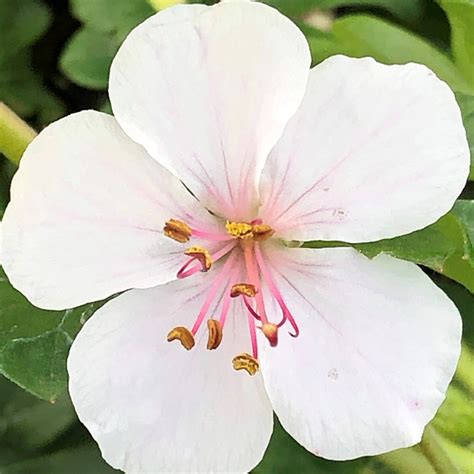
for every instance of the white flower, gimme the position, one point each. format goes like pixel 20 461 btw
pixel 222 99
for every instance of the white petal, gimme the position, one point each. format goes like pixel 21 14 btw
pixel 374 151
pixel 209 95
pixel 378 346
pixel 154 407
pixel 86 215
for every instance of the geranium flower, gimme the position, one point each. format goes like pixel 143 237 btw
pixel 353 355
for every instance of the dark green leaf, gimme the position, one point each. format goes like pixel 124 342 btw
pixel 22 90
pixel 354 35
pixel 27 423
pixel 21 24
pixel 34 343
pixel 82 460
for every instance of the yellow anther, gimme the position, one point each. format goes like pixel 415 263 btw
pixel 215 334
pixel 177 230
pixel 270 331
pixel 246 362
pixel 182 334
pixel 243 289
pixel 240 230
pixel 201 254
pixel 262 231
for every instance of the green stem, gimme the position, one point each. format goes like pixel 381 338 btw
pixel 15 134
pixel 432 448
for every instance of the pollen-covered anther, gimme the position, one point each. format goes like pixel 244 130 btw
pixel 215 334
pixel 201 254
pixel 177 230
pixel 246 362
pixel 243 289
pixel 183 335
pixel 262 231
pixel 240 230
pixel 270 331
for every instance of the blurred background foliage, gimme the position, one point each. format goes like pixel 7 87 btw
pixel 54 60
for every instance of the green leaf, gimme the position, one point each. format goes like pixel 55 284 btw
pixel 464 209
pixel 21 24
pixel 356 36
pixel 466 103
pixel 444 247
pixel 87 57
pixel 34 343
pixel 461 17
pixel 85 459
pixel 408 10
pixel 120 17
pixel 431 246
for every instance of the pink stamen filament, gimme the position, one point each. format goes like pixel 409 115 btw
pixel 251 310
pixel 275 292
pixel 183 272
pixel 218 283
pixel 254 278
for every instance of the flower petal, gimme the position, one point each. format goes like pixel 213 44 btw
pixel 153 406
pixel 86 215
pixel 374 152
pixel 208 92
pixel 378 346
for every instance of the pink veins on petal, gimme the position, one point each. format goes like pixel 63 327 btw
pixel 243 276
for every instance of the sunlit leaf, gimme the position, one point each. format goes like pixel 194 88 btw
pixel 461 17
pixel 444 247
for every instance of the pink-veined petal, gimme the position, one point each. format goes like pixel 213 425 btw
pixel 154 407
pixel 86 215
pixel 374 152
pixel 208 91
pixel 378 346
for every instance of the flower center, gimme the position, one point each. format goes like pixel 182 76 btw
pixel 244 274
